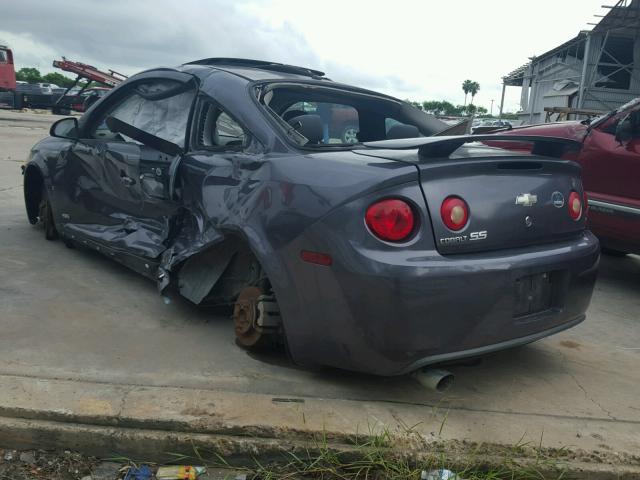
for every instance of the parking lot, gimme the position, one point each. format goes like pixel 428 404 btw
pixel 72 315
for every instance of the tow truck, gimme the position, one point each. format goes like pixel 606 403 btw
pixel 64 103
pixel 59 104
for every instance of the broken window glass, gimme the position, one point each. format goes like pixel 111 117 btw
pixel 616 63
pixel 165 118
pixel 340 122
pixel 321 116
pixel 147 109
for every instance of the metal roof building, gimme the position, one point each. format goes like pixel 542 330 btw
pixel 597 70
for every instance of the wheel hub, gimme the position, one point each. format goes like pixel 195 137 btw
pixel 245 315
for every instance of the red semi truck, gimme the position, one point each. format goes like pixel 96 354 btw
pixel 7 71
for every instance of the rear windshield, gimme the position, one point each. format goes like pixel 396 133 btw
pixel 328 117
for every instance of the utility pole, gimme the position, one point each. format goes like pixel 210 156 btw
pixel 491 110
pixel 504 87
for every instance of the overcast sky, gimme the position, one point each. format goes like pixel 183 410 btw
pixel 420 49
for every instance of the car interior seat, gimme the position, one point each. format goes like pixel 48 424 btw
pixel 308 125
pixel 288 115
pixel 403 131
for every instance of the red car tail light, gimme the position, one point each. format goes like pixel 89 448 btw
pixel 454 212
pixel 575 206
pixel 391 220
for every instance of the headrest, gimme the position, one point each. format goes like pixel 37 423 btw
pixel 292 113
pixel 403 131
pixel 308 125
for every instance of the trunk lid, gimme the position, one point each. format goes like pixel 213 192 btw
pixel 515 200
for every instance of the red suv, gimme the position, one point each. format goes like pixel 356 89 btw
pixel 610 159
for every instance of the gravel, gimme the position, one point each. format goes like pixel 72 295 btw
pixel 67 465
pixel 39 464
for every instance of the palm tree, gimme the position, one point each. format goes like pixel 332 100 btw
pixel 474 88
pixel 466 88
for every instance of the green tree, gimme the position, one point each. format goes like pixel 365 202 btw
pixel 481 111
pixel 30 75
pixel 432 106
pixel 466 88
pixel 57 79
pixel 461 109
pixel 414 103
pixel 443 107
pixel 474 88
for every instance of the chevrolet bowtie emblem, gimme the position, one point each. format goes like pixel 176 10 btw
pixel 526 199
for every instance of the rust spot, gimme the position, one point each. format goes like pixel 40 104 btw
pixel 570 344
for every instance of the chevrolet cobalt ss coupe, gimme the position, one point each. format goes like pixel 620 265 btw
pixel 383 252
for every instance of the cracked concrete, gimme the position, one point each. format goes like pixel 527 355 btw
pixel 586 394
pixel 86 343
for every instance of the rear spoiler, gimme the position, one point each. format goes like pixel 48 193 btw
pixel 442 147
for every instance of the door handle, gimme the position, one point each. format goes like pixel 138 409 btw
pixel 128 181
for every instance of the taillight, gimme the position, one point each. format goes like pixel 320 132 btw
pixel 391 220
pixel 454 212
pixel 575 205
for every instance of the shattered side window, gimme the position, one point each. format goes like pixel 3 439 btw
pixel 148 110
pixel 340 123
pixel 328 116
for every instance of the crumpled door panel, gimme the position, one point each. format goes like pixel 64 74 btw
pixel 142 237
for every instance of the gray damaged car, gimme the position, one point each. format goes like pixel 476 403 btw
pixel 390 248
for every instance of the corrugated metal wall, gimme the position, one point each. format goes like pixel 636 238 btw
pixel 550 70
pixel 606 98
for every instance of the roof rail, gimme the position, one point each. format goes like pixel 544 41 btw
pixel 261 64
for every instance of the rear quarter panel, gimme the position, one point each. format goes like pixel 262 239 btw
pixel 272 201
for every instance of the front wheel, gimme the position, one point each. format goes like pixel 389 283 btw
pixel 46 216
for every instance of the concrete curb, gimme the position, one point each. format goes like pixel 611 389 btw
pixel 146 423
pixel 161 446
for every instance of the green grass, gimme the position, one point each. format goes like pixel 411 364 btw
pixel 379 454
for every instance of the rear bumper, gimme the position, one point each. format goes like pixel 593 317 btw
pixel 484 350
pixel 389 312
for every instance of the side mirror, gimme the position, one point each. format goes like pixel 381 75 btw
pixel 624 130
pixel 65 128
